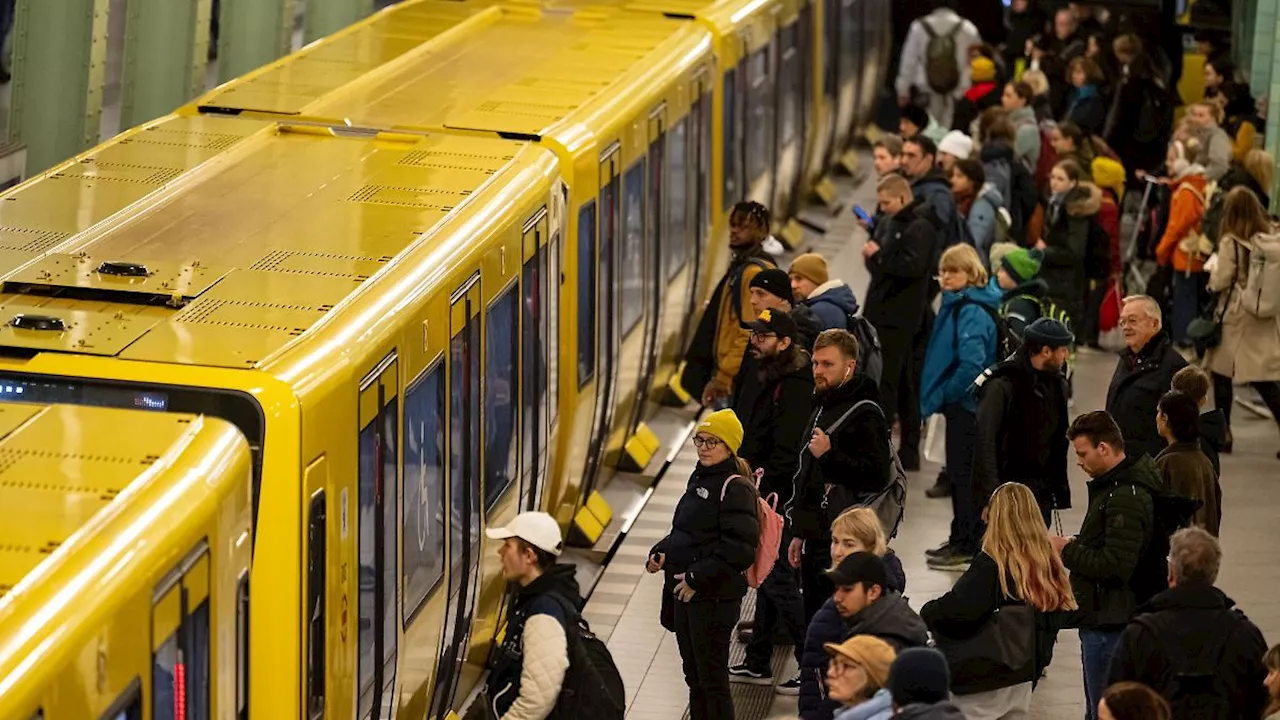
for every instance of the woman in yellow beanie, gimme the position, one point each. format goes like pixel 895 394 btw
pixel 980 95
pixel 712 542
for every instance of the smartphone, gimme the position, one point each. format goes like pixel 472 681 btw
pixel 862 214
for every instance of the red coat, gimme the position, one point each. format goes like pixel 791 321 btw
pixel 1109 220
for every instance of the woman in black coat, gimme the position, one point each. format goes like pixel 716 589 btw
pixel 712 542
pixel 1017 567
pixel 1072 206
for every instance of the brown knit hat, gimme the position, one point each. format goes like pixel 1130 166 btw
pixel 871 653
pixel 811 267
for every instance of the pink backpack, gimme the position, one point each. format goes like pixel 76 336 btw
pixel 770 532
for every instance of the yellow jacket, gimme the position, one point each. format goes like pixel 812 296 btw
pixel 732 315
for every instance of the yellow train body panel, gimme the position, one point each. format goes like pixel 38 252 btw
pixel 435 269
pixel 125 527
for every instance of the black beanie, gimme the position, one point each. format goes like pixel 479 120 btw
pixel 919 675
pixel 774 282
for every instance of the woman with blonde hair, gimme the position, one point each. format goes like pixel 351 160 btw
pixel 1249 350
pixel 1272 682
pixel 962 345
pixel 1017 567
pixel 857 529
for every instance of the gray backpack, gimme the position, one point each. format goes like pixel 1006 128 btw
pixel 941 69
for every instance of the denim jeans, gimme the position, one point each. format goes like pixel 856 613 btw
pixel 1096 648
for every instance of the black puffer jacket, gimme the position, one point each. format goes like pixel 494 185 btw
pixel 1022 432
pixel 1066 239
pixel 712 541
pixel 892 620
pixel 857 465
pixel 899 289
pixel 1139 382
pixel 1213 437
pixel 773 423
pixel 1117 528
pixel 1194 628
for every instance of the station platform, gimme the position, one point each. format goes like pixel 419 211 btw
pixel 623 609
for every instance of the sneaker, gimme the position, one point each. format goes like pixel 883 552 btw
pixel 790 687
pixel 941 551
pixel 743 674
pixel 955 562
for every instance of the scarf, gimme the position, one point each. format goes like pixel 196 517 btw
pixel 964 201
pixel 1056 202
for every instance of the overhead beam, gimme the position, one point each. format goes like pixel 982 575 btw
pixel 165 57
pixel 325 17
pixel 252 33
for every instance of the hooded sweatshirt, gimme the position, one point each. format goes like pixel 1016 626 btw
pixel 528 673
pixel 833 302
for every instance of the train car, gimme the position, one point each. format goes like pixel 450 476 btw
pixel 124 564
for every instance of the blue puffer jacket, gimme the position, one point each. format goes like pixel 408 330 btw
pixel 963 344
pixel 827 626
pixel 832 302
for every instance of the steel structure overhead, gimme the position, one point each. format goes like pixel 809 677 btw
pixel 166 51
pixel 325 17
pixel 252 33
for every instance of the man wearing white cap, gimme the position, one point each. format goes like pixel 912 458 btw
pixel 529 670
pixel 954 146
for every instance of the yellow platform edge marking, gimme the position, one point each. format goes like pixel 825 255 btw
pixel 792 234
pixel 826 191
pixel 639 449
pixel 599 508
pixel 850 161
pixel 588 525
pixel 676 388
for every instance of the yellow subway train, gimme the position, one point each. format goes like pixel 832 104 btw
pixel 124 563
pixel 435 269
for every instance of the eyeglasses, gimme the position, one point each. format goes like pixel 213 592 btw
pixel 1132 321
pixel 709 443
pixel 841 666
pixel 761 337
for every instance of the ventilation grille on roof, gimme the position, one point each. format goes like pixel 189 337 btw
pixel 319 264
pixel 474 162
pixel 184 138
pixel 120 172
pixel 28 240
pixel 248 315
pixel 374 194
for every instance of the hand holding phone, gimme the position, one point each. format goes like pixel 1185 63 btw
pixel 862 214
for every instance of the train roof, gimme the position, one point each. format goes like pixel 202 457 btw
pixel 513 70
pixel 62 465
pixel 222 258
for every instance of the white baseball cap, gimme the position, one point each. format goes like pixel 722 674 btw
pixel 536 528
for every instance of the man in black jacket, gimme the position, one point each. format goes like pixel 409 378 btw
pixel 869 608
pixel 848 458
pixel 1192 629
pixel 933 186
pixel 771 290
pixel 898 258
pixel 1022 420
pixel 773 437
pixel 1143 375
pixel 1106 557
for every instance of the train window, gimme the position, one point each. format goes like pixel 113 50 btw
pixel 632 260
pixel 702 131
pixel 759 115
pixel 423 498
pixel 317 563
pixel 464 394
pixel 533 384
pixel 675 240
pixel 729 132
pixel 377 480
pixel 501 346
pixel 551 280
pixel 180 669
pixel 242 647
pixel 790 82
pixel 586 293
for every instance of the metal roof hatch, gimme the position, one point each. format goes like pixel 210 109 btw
pixel 131 281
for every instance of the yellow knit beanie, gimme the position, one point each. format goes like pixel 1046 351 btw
pixel 725 425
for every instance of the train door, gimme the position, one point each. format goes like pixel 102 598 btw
pixel 607 291
pixel 464 490
pixel 536 342
pixel 758 160
pixel 181 641
pixel 646 195
pixel 701 132
pixel 789 128
pixel 378 481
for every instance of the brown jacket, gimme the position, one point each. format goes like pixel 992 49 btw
pixel 1187 471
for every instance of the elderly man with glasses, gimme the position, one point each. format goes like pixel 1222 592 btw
pixel 1143 375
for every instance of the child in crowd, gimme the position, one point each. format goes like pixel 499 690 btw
pixel 1215 437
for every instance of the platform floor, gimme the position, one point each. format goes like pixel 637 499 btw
pixel 624 606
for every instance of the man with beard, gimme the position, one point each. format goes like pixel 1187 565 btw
pixel 846 460
pixel 1022 420
pixel 773 436
pixel 771 290
pixel 720 341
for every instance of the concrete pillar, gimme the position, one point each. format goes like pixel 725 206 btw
pixel 59 54
pixel 252 33
pixel 1255 40
pixel 166 50
pixel 325 17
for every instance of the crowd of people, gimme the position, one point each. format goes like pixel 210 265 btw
pixel 995 255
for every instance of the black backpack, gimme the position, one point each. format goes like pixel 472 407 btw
pixel 1007 343
pixel 1172 512
pixel 870 357
pixel 941 69
pixel 592 686
pixel 1194 691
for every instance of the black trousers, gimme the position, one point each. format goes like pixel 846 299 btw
pixel 900 386
pixel 703 630
pixel 815 586
pixel 1224 395
pixel 966 523
pixel 1087 327
pixel 777 601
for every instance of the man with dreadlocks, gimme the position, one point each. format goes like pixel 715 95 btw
pixel 719 343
